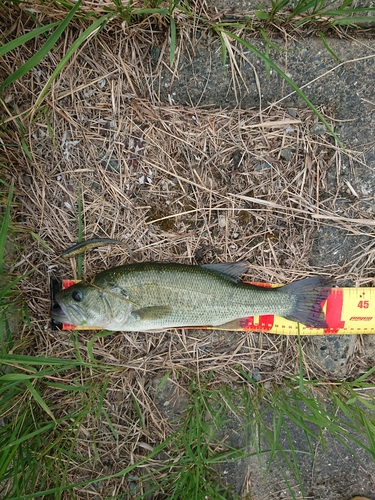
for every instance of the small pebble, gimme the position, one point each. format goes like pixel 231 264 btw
pixel 154 53
pixel 255 375
pixel 318 129
pixel 286 153
pixel 222 221
pixel 111 164
pixel 96 486
pixel 95 186
pixel 263 166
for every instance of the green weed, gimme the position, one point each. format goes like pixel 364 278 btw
pixel 313 410
pixel 37 440
pixel 11 308
pixel 195 450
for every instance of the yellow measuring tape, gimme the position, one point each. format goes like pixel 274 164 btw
pixel 347 310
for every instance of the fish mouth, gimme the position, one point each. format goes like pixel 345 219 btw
pixel 59 314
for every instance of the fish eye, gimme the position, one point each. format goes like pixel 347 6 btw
pixel 77 295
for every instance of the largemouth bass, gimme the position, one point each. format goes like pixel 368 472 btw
pixel 156 296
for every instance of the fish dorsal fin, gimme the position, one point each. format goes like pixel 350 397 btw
pixel 232 270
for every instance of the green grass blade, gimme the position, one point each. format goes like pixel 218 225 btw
pixel 268 41
pixel 366 403
pixel 370 433
pixel 352 21
pixel 43 51
pixel 38 398
pixel 141 12
pixel 287 79
pixel 16 377
pixel 39 240
pixel 162 382
pixel 276 7
pixel 274 442
pixel 22 376
pixel 37 432
pixel 328 48
pixel 340 12
pixel 223 47
pixel 25 360
pixel 5 289
pixel 90 343
pixel 266 65
pixel 5 226
pixel 303 7
pixel 79 484
pixel 262 14
pixel 345 4
pixel 365 375
pixel 6 459
pixel 13 44
pixel 24 145
pixel 173 40
pixel 69 388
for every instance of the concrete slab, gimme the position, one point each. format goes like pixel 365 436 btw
pixel 348 87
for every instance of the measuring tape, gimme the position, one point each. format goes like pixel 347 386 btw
pixel 347 311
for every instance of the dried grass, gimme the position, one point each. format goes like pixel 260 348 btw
pixel 178 184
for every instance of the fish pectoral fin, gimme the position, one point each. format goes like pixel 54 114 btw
pixel 150 313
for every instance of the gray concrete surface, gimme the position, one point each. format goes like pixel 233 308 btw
pixel 348 88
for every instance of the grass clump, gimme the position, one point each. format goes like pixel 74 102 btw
pixel 282 431
pixel 196 449
pixel 37 441
pixel 168 15
pixel 290 428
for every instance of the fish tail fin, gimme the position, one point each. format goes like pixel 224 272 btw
pixel 309 294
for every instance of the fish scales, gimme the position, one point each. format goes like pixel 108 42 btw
pixel 154 296
pixel 204 298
